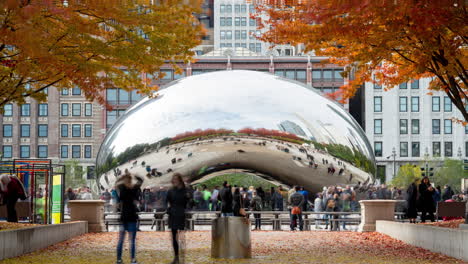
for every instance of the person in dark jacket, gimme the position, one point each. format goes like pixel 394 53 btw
pixel 426 200
pixel 11 190
pixel 256 204
pixel 411 201
pixel 225 196
pixel 129 196
pixel 296 201
pixel 177 199
pixel 237 202
pixel 447 193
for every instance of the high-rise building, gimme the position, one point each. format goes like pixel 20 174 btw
pixel 408 125
pixel 235 27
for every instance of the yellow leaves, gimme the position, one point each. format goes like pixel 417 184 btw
pixel 63 46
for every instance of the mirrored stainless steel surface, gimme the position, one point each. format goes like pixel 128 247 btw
pixel 238 120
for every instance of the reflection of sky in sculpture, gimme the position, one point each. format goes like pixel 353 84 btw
pixel 234 100
pixel 227 100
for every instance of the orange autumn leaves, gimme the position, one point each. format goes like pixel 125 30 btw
pixel 382 41
pixel 93 44
pixel 267 248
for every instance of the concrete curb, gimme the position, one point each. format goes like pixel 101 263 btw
pixel 18 242
pixel 448 241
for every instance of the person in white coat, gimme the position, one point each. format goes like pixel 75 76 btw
pixel 318 207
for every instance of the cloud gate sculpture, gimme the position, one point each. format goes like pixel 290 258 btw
pixel 238 120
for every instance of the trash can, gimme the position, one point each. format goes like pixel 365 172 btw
pixel 230 238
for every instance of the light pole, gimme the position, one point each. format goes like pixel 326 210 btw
pixel 426 160
pixel 394 160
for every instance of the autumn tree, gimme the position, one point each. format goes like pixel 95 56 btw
pixel 407 174
pixel 93 44
pixel 382 41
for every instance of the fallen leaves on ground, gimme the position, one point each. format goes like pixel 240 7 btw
pixel 268 247
pixel 11 226
pixel 448 224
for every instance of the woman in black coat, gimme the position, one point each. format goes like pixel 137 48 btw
pixel 177 199
pixel 411 201
pixel 129 196
pixel 237 202
pixel 426 200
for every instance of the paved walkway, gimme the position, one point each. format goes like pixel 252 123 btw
pixel 269 247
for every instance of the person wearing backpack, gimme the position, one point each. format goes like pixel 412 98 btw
pixel 296 202
pixel 332 206
pixel 256 205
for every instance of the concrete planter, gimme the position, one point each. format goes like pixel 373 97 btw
pixel 91 211
pixel 373 210
pixel 448 241
pixel 18 242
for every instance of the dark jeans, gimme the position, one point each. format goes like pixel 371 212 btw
pixel 131 228
pixel 11 210
pixel 294 219
pixel 424 213
pixel 258 221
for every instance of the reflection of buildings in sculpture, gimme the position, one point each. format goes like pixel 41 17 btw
pixel 315 134
pixel 291 127
pixel 325 131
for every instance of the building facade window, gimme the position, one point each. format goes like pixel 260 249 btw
pixel 403 126
pixel 436 149
pixel 414 103
pixel 403 85
pixel 8 110
pixel 435 104
pixel 64 91
pixel 42 151
pixel 243 21
pixel 403 149
pixel 415 149
pixel 43 130
pixel 43 110
pixel 76 151
pixel 435 126
pixel 415 84
pixel 76 109
pixel 76 90
pixel 76 130
pixel 228 9
pixel 447 126
pixel 25 152
pixel 7 151
pixel 25 110
pixel 377 126
pixel 447 104
pixel 466 149
pixel 377 103
pixel 378 149
pixel 64 130
pixel 64 109
pixel 7 130
pixel 25 130
pixel 88 130
pixel 415 126
pixel 448 149
pixel 403 104
pixel 88 151
pixel 88 110
pixel 64 151
pixel 112 117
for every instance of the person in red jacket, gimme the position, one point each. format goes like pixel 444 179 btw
pixel 11 190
